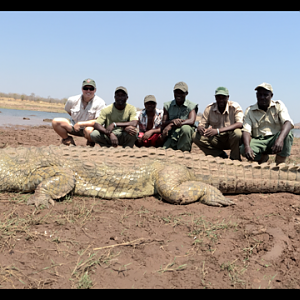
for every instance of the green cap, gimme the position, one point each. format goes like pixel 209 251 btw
pixel 89 81
pixel 221 90
pixel 122 88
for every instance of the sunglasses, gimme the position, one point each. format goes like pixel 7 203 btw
pixel 88 88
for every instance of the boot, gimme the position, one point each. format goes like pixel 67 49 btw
pixel 223 155
pixel 279 159
pixel 91 144
pixel 68 141
pixel 264 158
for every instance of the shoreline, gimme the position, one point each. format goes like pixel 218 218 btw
pixel 18 104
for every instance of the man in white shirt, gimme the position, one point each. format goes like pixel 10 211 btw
pixel 84 110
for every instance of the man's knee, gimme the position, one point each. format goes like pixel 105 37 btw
pixel 59 121
pixel 236 134
pixel 95 135
pixel 186 129
pixel 196 137
pixel 129 137
pixel 87 131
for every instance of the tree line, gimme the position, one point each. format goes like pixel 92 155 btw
pixel 33 97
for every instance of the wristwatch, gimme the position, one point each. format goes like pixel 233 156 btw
pixel 115 124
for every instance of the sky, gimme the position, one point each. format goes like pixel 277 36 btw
pixel 51 53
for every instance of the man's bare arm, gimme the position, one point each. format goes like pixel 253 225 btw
pixel 125 124
pixel 278 145
pixel 246 140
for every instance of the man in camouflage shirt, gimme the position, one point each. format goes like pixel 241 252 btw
pixel 178 120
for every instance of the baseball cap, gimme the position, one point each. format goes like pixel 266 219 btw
pixel 181 86
pixel 122 88
pixel 149 98
pixel 221 90
pixel 266 86
pixel 89 81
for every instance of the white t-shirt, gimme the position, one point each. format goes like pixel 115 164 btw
pixel 92 111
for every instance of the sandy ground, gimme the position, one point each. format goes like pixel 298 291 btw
pixel 83 242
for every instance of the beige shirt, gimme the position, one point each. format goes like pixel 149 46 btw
pixel 233 113
pixel 259 122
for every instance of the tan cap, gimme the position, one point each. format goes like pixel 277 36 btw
pixel 149 98
pixel 266 86
pixel 122 88
pixel 181 86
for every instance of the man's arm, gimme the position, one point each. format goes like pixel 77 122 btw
pixel 211 132
pixel 178 122
pixel 80 124
pixel 130 126
pixel 150 132
pixel 100 128
pixel 125 124
pixel 191 119
pixel 246 140
pixel 165 120
pixel 278 146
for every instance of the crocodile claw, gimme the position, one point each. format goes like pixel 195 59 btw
pixel 41 200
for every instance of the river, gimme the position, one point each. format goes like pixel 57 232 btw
pixel 11 117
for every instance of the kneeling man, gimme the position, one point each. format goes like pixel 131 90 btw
pixel 220 127
pixel 267 128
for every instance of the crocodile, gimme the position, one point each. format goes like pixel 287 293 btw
pixel 52 172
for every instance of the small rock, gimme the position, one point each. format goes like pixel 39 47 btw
pixel 47 120
pixel 26 119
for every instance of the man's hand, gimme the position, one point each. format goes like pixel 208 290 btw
pixel 166 130
pixel 76 127
pixel 278 146
pixel 113 140
pixel 147 135
pixel 131 130
pixel 249 153
pixel 210 132
pixel 177 122
pixel 109 129
pixel 201 129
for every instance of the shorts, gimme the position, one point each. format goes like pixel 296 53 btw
pixel 151 142
pixel 73 132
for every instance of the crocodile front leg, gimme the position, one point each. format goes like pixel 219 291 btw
pixel 177 185
pixel 55 182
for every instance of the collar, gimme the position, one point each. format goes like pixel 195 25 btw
pixel 144 112
pixel 255 106
pixel 215 108
pixel 175 104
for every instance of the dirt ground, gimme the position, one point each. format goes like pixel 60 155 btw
pixel 84 242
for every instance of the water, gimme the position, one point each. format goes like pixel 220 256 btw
pixel 10 117
pixel 296 132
